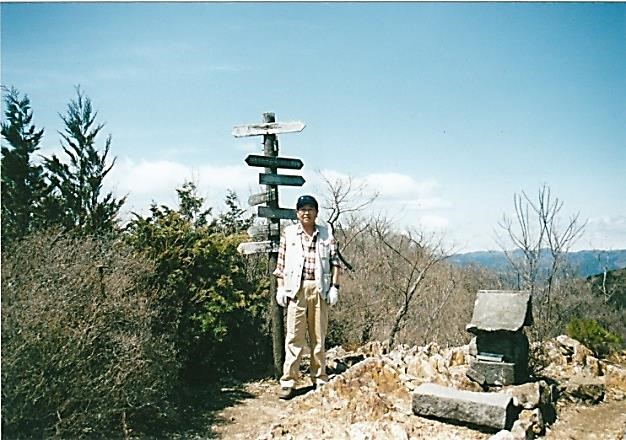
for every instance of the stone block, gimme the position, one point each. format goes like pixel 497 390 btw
pixel 420 367
pixel 456 357
pixel 615 377
pixel 472 348
pixel 593 366
pixel 529 395
pixel 500 373
pixel 476 376
pixel 500 310
pixel 523 430
pixel 438 362
pixel 489 410
pixel 534 417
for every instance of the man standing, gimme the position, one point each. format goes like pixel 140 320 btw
pixel 307 273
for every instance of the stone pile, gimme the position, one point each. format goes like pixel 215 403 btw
pixel 371 393
pixel 580 376
pixel 368 401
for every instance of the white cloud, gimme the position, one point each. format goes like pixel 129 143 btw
pixel 156 181
pixel 604 233
pixel 400 190
pixel 236 177
pixel 146 178
pixel 433 222
pixel 407 202
pixel 396 186
pixel 405 191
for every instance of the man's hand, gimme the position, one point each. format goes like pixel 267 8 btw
pixel 281 297
pixel 333 296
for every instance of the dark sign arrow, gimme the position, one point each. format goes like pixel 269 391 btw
pixel 280 179
pixel 274 162
pixel 267 212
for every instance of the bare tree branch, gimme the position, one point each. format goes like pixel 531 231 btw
pixel 344 198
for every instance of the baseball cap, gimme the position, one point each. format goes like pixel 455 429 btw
pixel 306 200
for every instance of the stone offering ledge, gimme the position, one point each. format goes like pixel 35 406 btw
pixel 490 410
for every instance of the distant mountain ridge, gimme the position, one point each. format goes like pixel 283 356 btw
pixel 585 263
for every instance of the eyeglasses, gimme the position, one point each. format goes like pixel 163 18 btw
pixel 306 209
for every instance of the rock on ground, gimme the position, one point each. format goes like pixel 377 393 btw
pixel 371 398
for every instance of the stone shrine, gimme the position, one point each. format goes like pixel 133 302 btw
pixel 499 351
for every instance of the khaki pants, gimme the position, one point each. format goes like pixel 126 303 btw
pixel 307 310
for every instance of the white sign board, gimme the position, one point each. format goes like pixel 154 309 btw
pixel 255 247
pixel 267 128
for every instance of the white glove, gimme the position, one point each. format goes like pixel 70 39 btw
pixel 281 297
pixel 333 296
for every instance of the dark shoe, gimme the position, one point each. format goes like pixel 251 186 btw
pixel 285 393
pixel 317 386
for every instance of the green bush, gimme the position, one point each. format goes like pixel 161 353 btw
pixel 592 335
pixel 79 358
pixel 209 295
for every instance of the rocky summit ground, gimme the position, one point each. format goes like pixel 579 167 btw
pixel 372 400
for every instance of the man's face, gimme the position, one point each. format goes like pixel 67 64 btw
pixel 307 215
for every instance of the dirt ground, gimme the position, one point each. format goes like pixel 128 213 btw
pixel 604 421
pixel 258 407
pixel 250 417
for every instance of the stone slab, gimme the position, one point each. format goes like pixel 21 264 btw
pixel 529 395
pixel 489 410
pixel 500 310
pixel 499 373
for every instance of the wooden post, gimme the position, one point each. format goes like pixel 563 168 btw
pixel 101 276
pixel 271 162
pixel 270 148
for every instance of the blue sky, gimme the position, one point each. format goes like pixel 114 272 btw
pixel 445 109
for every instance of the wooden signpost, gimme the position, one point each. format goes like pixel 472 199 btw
pixel 269 235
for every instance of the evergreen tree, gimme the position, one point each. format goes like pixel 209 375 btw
pixel 77 200
pixel 234 220
pixel 190 205
pixel 204 295
pixel 23 185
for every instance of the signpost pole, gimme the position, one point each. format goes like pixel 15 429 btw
pixel 270 160
pixel 270 148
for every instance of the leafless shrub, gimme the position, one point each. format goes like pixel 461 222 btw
pixel 401 286
pixel 79 358
pixel 575 299
pixel 537 233
pixel 446 305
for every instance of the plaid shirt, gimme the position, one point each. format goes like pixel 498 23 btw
pixel 308 247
